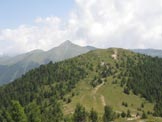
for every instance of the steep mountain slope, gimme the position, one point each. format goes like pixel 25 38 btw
pixel 16 66
pixel 4 58
pixel 10 73
pixel 66 50
pixel 63 51
pixel 150 52
pixel 28 57
pixel 117 77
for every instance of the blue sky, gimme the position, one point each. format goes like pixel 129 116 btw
pixel 16 12
pixel 27 25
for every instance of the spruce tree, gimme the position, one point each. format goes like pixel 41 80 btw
pixel 108 114
pixel 79 114
pixel 93 116
pixel 17 112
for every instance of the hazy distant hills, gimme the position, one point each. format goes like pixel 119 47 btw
pixel 13 67
pixel 63 51
pixel 150 52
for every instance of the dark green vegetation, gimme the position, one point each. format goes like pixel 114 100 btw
pixel 14 67
pixel 42 94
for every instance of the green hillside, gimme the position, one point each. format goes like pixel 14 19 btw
pixel 128 82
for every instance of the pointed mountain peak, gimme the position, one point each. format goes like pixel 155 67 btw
pixel 66 43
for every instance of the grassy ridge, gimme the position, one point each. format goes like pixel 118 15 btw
pixel 111 93
pixel 93 80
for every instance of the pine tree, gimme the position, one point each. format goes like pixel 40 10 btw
pixel 33 112
pixel 144 116
pixel 93 116
pixel 79 114
pixel 5 116
pixel 128 113
pixel 123 114
pixel 108 114
pixel 17 112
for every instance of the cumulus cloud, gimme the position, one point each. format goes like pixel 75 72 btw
pixel 128 24
pixel 104 23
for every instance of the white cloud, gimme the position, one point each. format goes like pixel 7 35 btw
pixel 129 24
pixel 104 23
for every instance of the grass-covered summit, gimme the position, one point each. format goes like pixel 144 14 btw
pixel 126 81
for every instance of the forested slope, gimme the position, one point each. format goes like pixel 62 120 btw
pixel 41 92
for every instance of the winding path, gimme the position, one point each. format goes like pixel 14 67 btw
pixel 97 87
pixel 114 56
pixel 103 100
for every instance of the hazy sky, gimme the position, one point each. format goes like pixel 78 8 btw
pixel 26 25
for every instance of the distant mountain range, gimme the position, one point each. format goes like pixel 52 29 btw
pixel 150 52
pixel 13 67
